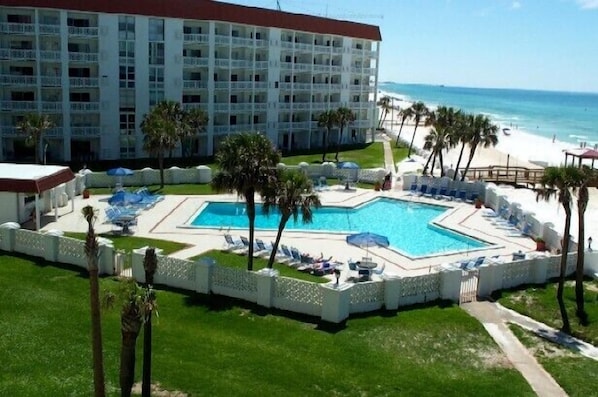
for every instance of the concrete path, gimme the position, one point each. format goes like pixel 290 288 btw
pixel 495 321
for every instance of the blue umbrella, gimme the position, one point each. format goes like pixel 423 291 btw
pixel 367 240
pixel 124 198
pixel 347 165
pixel 120 171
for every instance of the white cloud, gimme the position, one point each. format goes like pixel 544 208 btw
pixel 515 5
pixel 588 4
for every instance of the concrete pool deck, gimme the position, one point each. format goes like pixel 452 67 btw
pixel 165 219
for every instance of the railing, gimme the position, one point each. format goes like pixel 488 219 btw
pixel 53 132
pixel 15 79
pixel 261 106
pixel 304 47
pixel 335 69
pixel 189 106
pixel 221 107
pixel 83 81
pixel 337 50
pixel 9 53
pixel 322 48
pixel 241 85
pixel 303 66
pixel 12 28
pixel 286 44
pixel 223 63
pixel 221 85
pixel 193 61
pixel 219 39
pixel 194 84
pixel 77 31
pixel 260 65
pixel 262 43
pixel 83 56
pixel 85 131
pixel 260 85
pixel 503 174
pixel 85 106
pixel 242 41
pixel 321 68
pixel 51 81
pixel 241 107
pixel 49 29
pixel 241 64
pixel 51 106
pixel 196 37
pixel 50 55
pixel 18 105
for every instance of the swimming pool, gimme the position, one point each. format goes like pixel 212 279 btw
pixel 407 225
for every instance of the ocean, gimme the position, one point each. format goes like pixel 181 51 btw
pixel 570 116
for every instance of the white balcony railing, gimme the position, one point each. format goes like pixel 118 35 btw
pixel 51 81
pixel 88 31
pixel 195 105
pixel 194 84
pixel 85 106
pixel 51 106
pixel 219 39
pixel 303 66
pixel 321 68
pixel 8 53
pixel 286 65
pixel 50 55
pixel 241 64
pixel 242 41
pixel 83 81
pixel 53 132
pixel 260 85
pixel 15 79
pixel 322 48
pixel 260 107
pixel 196 37
pixel 221 107
pixel 286 44
pixel 241 85
pixel 260 64
pixel 241 107
pixel 303 47
pixel 262 43
pixel 19 105
pixel 223 63
pixel 335 69
pixel 83 56
pixel 221 85
pixel 49 29
pixel 356 51
pixel 85 131
pixel 337 50
pixel 17 28
pixel 284 105
pixel 194 61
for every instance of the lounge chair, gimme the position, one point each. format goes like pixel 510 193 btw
pixel 352 265
pixel 232 244
pixel 433 192
pixel 461 195
pixel 451 195
pixel 412 189
pixel 525 232
pixel 441 193
pixel 422 190
pixel 380 270
pixel 145 193
pixel 472 197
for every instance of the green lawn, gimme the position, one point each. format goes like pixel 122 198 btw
pixel 182 189
pixel 575 373
pixel 231 259
pixel 370 155
pixel 212 346
pixel 539 302
pixel 129 243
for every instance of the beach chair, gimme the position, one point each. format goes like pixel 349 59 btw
pixel 148 196
pixel 525 232
pixel 451 195
pixel 461 196
pixel 412 189
pixel 433 192
pixel 261 249
pixel 232 244
pixel 441 193
pixel 422 190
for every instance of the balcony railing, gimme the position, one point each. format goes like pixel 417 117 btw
pixel 222 63
pixel 53 132
pixel 51 81
pixel 19 105
pixel 88 31
pixel 241 85
pixel 321 68
pixel 83 56
pixel 195 105
pixel 220 39
pixel 85 131
pixel 196 37
pixel 262 43
pixel 260 64
pixel 303 66
pixel 83 81
pixel 17 28
pixel 356 51
pixel 15 79
pixel 241 107
pixel 286 44
pixel 194 84
pixel 303 47
pixel 369 71
pixel 241 64
pixel 335 69
pixel 242 41
pixel 50 55
pixel 337 50
pixel 296 125
pixel 221 85
pixel 221 107
pixel 194 61
pixel 51 106
pixel 85 106
pixel 322 48
pixel 8 53
pixel 49 29
pixel 260 85
pixel 260 106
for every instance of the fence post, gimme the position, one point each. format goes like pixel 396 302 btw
pixel 539 270
pixel 106 262
pixel 7 241
pixel 450 283
pixel 52 245
pixel 137 264
pixel 265 286
pixel 335 302
pixel 392 291
pixel 204 269
pixel 486 279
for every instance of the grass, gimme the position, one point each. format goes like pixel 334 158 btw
pixel 214 346
pixel 370 155
pixel 129 243
pixel 539 302
pixel 182 189
pixel 575 373
pixel 237 261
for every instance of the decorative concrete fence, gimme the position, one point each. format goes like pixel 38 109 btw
pixel 54 247
pixel 149 176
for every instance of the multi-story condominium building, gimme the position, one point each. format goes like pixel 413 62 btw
pixel 97 66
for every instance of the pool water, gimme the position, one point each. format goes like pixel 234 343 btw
pixel 407 225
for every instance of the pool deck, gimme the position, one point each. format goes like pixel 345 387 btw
pixel 167 218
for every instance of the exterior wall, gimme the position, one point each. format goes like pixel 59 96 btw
pixel 108 74
pixel 9 209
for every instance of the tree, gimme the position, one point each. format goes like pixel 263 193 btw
pixel 34 126
pixel 92 254
pixel 385 105
pixel 150 265
pixel 404 114
pixel 247 165
pixel 418 111
pixel 464 137
pixel 194 121
pixel 481 132
pixel 160 135
pixel 344 117
pixel 328 121
pixel 131 318
pixel 291 193
pixel 558 181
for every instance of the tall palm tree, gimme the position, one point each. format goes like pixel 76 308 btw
pixel 328 121
pixel 344 117
pixel 463 136
pixel 404 114
pixel 34 126
pixel 444 122
pixel 385 104
pixel 293 193
pixel 131 319
pixel 160 135
pixel 434 142
pixel 92 254
pixel 247 165
pixel 419 111
pixel 193 122
pixel 150 265
pixel 481 132
pixel 558 181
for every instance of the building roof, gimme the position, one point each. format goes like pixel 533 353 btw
pixel 212 10
pixel 583 153
pixel 30 178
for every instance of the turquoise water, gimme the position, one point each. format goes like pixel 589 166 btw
pixel 407 225
pixel 571 116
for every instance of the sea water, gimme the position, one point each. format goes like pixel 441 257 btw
pixel 569 116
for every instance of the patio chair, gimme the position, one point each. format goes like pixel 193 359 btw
pixel 451 195
pixel 412 189
pixel 433 192
pixel 461 195
pixel 231 244
pixel 472 197
pixel 149 196
pixel 364 274
pixel 380 270
pixel 441 193
pixel 422 190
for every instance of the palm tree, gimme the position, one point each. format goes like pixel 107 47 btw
pixel 150 265
pixel 481 131
pixel 328 121
pixel 34 126
pixel 194 121
pixel 404 114
pixel 385 104
pixel 293 193
pixel 160 135
pixel 131 319
pixel 247 165
pixel 418 111
pixel 344 117
pixel 463 136
pixel 92 253
pixel 558 181
pixel 442 136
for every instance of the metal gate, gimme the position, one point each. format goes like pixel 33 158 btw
pixel 469 286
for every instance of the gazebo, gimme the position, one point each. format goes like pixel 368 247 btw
pixel 20 184
pixel 581 154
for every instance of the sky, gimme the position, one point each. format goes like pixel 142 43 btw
pixel 527 44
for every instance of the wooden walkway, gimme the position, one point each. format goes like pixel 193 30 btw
pixel 518 176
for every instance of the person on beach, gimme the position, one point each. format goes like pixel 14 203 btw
pixel 553 138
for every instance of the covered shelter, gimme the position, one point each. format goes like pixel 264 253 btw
pixel 27 189
pixel 581 154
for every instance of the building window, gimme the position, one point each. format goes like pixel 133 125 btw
pixel 156 30
pixel 127 99
pixel 127 135
pixel 156 53
pixel 126 27
pixel 127 76
pixel 156 77
pixel 155 97
pixel 126 49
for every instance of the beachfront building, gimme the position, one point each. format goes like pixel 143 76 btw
pixel 98 66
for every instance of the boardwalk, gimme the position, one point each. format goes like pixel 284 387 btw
pixel 520 176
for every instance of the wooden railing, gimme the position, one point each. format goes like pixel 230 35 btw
pixel 509 175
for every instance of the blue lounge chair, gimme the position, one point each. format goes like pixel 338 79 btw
pixel 433 192
pixel 451 195
pixel 232 244
pixel 412 189
pixel 441 193
pixel 461 195
pixel 149 197
pixel 422 190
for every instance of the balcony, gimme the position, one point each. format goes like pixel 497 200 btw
pixel 49 29
pixel 335 69
pixel 54 132
pixel 260 65
pixel 220 39
pixel 221 85
pixel 262 43
pixel 7 131
pixel 242 41
pixel 196 37
pixel 357 51
pixel 296 125
pixel 260 85
pixel 195 105
pixel 222 63
pixel 50 55
pixel 221 107
pixel 369 71
pixel 303 66
pixel 83 57
pixel 321 68
pixel 15 79
pixel 337 50
pixel 322 48
pixel 9 53
pixel 286 65
pixel 83 81
pixel 241 107
pixel 303 47
pixel 194 84
pixel 88 31
pixel 241 85
pixel 356 70
pixel 51 81
pixel 355 88
pixel 194 61
pixel 83 131
pixel 241 64
pixel 85 106
pixel 260 106
pixel 18 105
pixel 17 28
pixel 286 44
pixel 51 107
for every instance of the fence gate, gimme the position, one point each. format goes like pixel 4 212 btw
pixel 469 286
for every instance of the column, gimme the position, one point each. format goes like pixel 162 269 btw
pixel 335 302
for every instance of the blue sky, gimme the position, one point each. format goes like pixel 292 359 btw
pixel 531 44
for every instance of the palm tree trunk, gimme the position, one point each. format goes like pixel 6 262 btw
pixel 399 135
pixel 579 269
pixel 338 144
pixel 325 144
pixel 459 161
pixel 283 221
pixel 96 332
pixel 441 160
pixel 161 166
pixel 146 384
pixel 433 164
pixel 428 163
pixel 127 361
pixel 250 199
pixel 471 154
pixel 412 139
pixel 561 284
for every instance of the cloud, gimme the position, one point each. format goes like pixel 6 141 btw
pixel 588 4
pixel 516 5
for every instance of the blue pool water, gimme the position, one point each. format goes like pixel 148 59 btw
pixel 406 224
